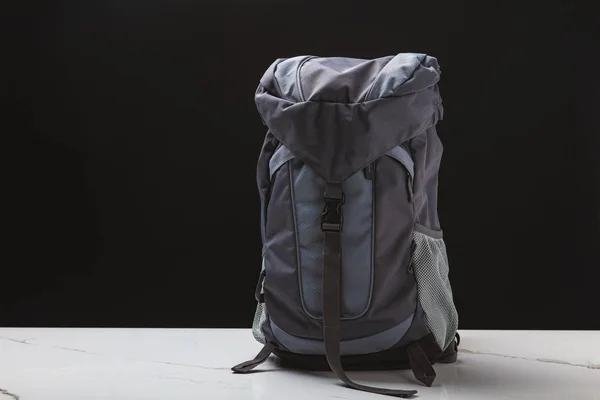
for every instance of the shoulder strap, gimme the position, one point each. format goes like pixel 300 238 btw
pixel 331 225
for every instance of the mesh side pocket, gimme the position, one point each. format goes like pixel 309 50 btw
pixel 260 316
pixel 430 263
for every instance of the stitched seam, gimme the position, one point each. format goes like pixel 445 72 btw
pixel 435 234
pixel 298 85
pixel 366 96
pixel 278 87
pixel 411 75
pixel 285 159
pixel 372 266
pixel 291 148
pixel 296 235
pixel 437 103
pixel 393 156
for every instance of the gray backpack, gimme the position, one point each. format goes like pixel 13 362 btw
pixel 355 272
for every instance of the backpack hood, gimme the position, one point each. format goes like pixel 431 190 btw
pixel 339 114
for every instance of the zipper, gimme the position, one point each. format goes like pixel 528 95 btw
pixel 370 171
pixel 410 189
pixel 409 178
pixel 411 266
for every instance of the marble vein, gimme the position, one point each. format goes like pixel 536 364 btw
pixel 180 364
pixel 172 378
pixel 9 394
pixel 592 366
pixel 25 341
pixel 129 358
pixel 75 350
pixel 543 360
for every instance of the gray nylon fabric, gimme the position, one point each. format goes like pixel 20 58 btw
pixel 401 155
pixel 418 329
pixel 337 138
pixel 390 294
pixel 318 83
pixel 263 181
pixel 356 240
pixel 280 157
pixel 396 75
pixel 394 292
pixel 370 344
pixel 427 149
pixel 357 247
pixel 282 289
pixel 385 295
pixel 327 119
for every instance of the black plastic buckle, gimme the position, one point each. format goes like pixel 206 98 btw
pixel 332 217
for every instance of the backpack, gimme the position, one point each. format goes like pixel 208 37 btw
pixel 355 271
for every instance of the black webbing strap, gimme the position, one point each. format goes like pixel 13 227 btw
pixel 331 224
pixel 260 358
pixel 420 364
pixel 450 355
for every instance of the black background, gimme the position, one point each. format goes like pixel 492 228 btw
pixel 130 188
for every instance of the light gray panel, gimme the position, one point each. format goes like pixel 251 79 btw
pixel 357 267
pixel 369 344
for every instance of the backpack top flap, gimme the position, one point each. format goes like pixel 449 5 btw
pixel 340 114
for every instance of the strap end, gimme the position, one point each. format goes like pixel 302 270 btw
pixel 420 364
pixel 261 357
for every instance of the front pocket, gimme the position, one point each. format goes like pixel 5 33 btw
pixel 376 238
pixel 294 242
pixel 430 264
pixel 307 190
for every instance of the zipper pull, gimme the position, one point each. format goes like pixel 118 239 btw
pixel 370 171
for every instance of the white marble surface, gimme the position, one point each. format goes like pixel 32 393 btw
pixel 180 364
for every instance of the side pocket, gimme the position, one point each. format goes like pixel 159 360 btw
pixel 260 316
pixel 430 263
